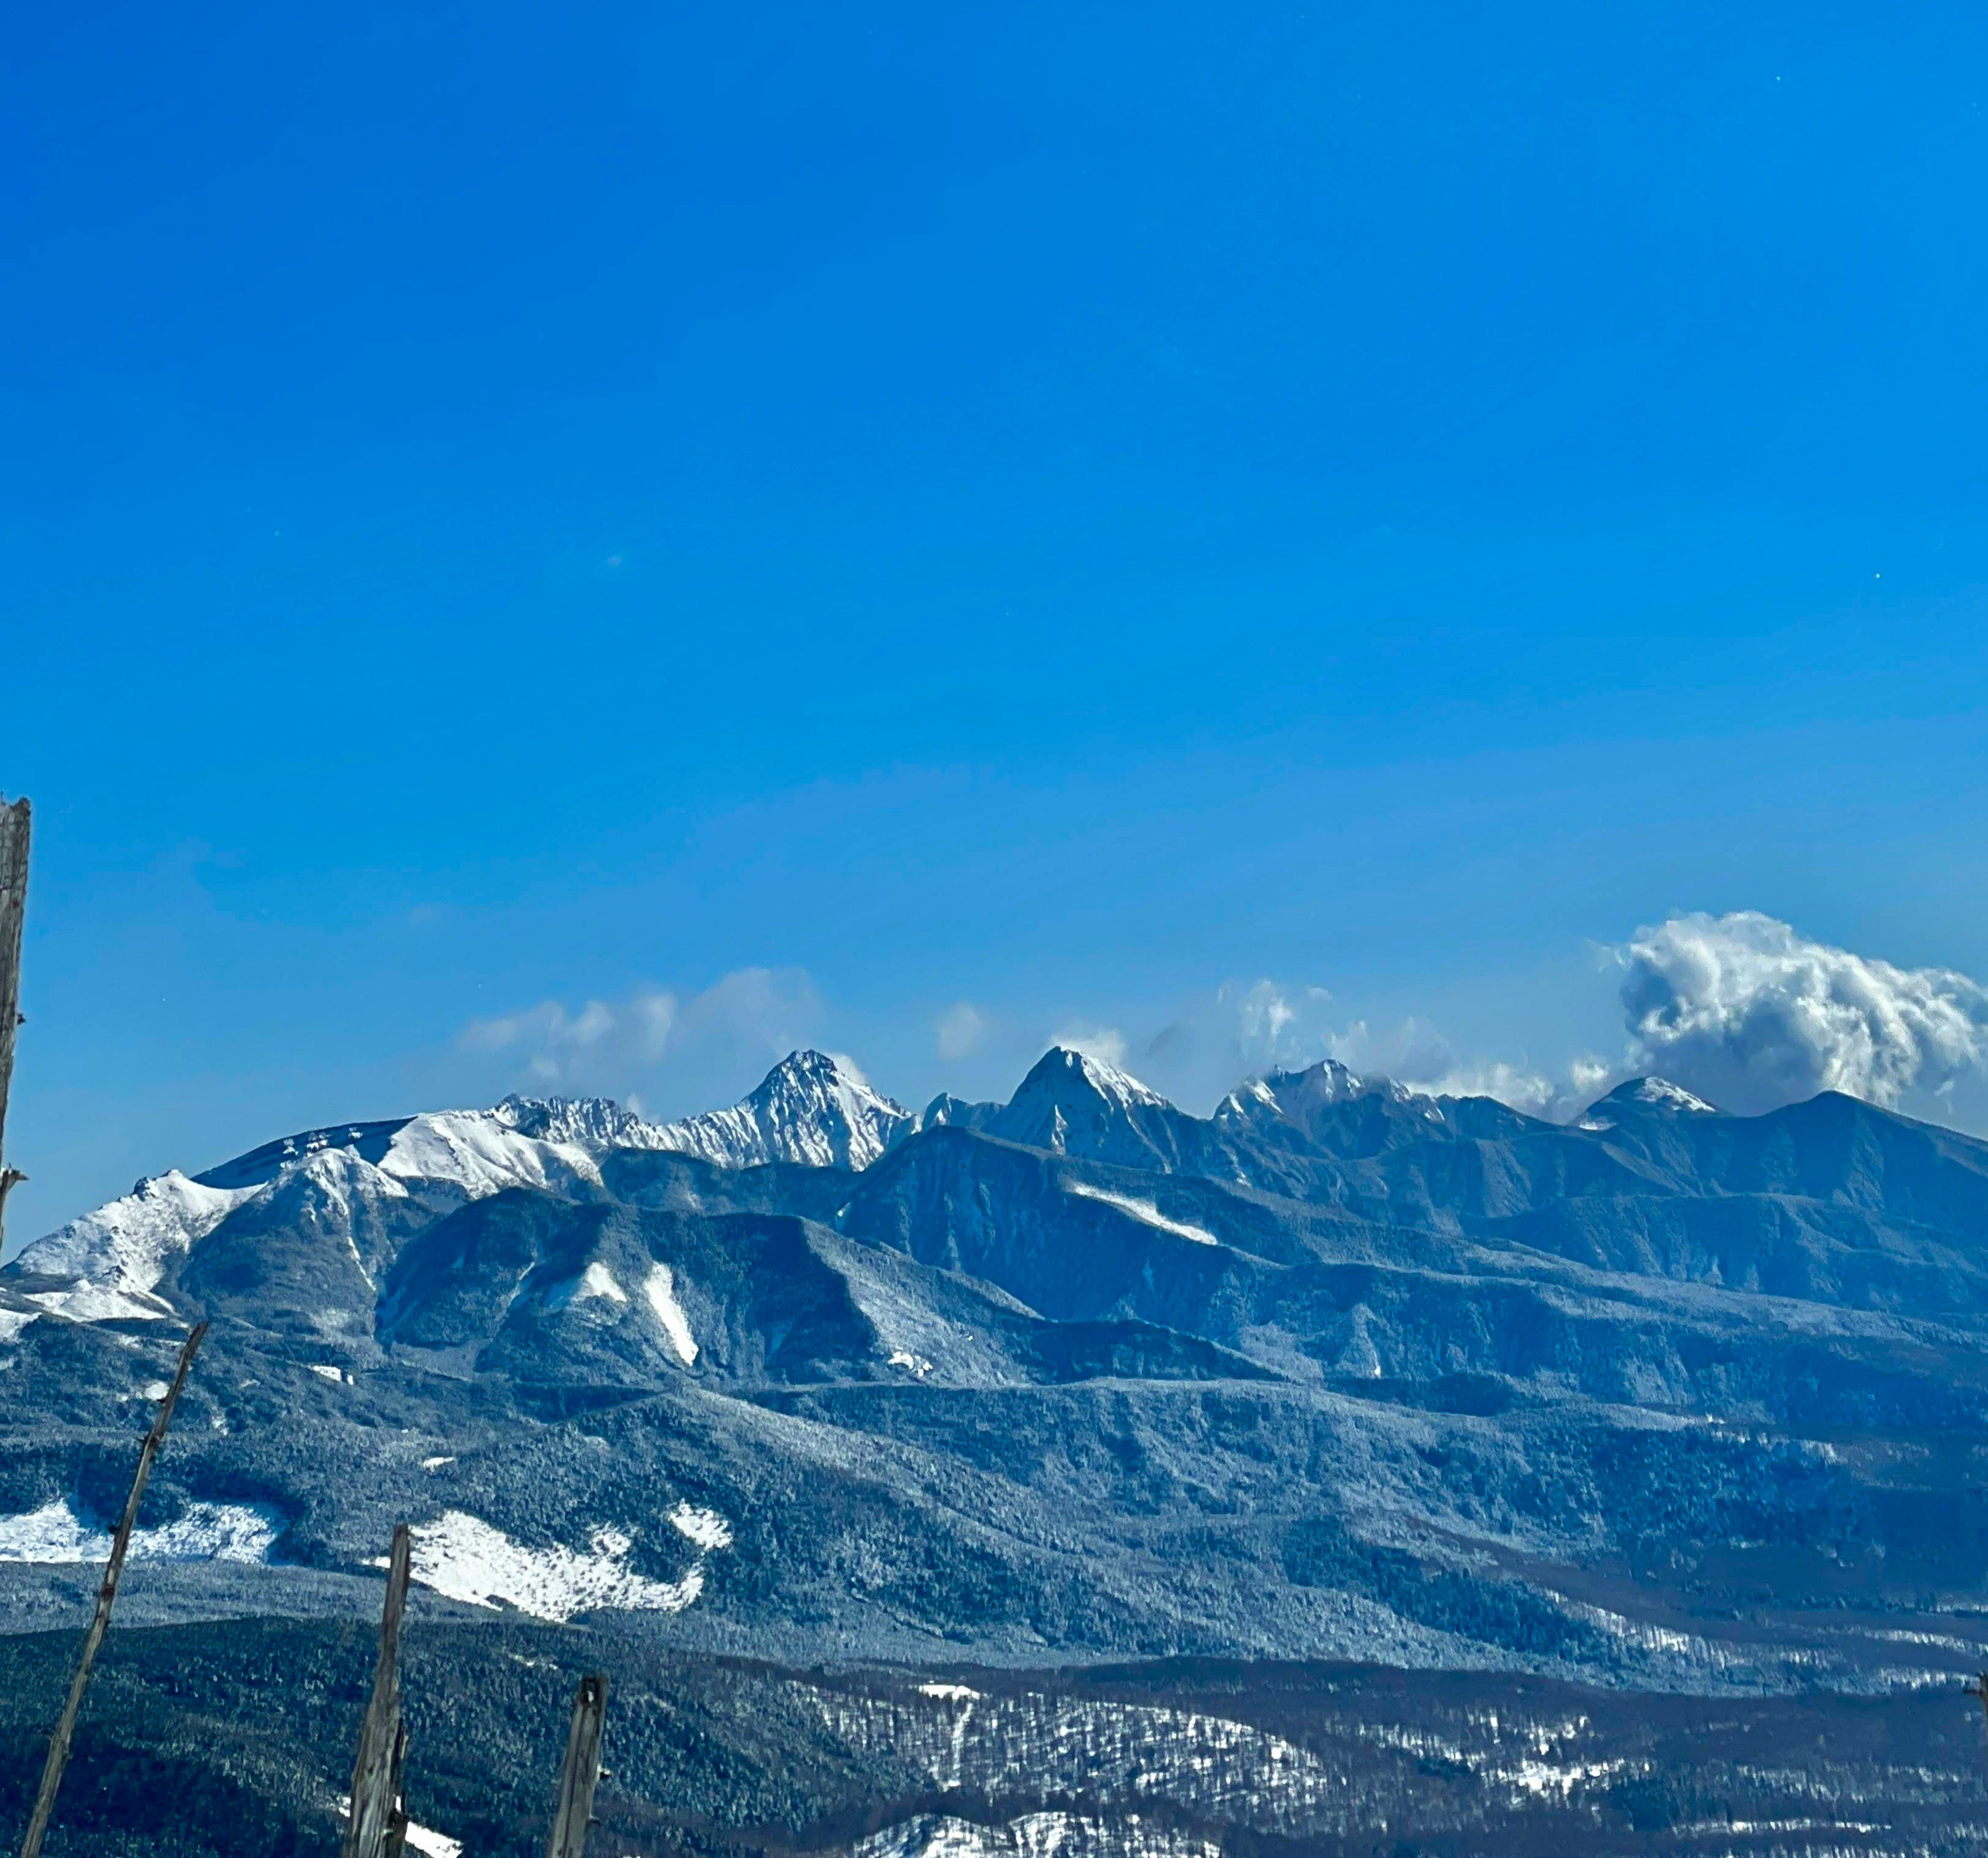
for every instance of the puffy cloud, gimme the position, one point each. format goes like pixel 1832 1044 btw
pixel 960 1029
pixel 753 1016
pixel 1752 1015
pixel 1588 1077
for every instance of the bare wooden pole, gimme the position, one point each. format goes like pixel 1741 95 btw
pixel 376 1770
pixel 580 1772
pixel 14 821
pixel 51 1769
pixel 394 1845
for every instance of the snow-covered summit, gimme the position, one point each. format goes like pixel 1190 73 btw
pixel 1647 1094
pixel 596 1124
pixel 811 1108
pixel 1075 1104
pixel 1307 1100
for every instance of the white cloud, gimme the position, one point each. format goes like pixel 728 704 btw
pixel 1276 1025
pixel 846 1064
pixel 553 1037
pixel 752 1017
pixel 1414 1053
pixel 1748 1012
pixel 1518 1086
pixel 1242 1029
pixel 1105 1043
pixel 960 1029
pixel 1588 1076
pixel 768 1010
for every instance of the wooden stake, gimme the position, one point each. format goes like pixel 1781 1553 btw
pixel 14 823
pixel 581 1771
pixel 376 1771
pixel 51 1769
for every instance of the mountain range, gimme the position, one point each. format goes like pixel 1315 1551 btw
pixel 1662 1399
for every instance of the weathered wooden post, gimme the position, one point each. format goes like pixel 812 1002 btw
pixel 51 1769
pixel 14 823
pixel 395 1843
pixel 581 1773
pixel 377 1817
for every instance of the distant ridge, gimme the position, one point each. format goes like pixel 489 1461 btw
pixel 1344 1370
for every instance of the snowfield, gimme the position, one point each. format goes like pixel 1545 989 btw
pixel 659 1288
pixel 207 1531
pixel 1144 1211
pixel 465 1558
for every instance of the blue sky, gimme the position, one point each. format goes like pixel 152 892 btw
pixel 1053 509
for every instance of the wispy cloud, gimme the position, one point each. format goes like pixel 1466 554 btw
pixel 1416 1054
pixel 552 1040
pixel 960 1031
pixel 1105 1043
pixel 752 1016
pixel 1240 1029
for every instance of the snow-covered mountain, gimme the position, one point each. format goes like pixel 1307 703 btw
pixel 357 1189
pixel 1309 1101
pixel 595 1123
pixel 812 1109
pixel 325 1212
pixel 1071 1103
pixel 1644 1096
pixel 1342 1371
pixel 344 1199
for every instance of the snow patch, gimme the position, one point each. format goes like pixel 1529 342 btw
pixel 479 1152
pixel 1121 1086
pixel 914 1364
pixel 463 1557
pixel 436 1463
pixel 950 1693
pixel 422 1838
pixel 85 1302
pixel 1144 1211
pixel 704 1527
pixel 595 1281
pixel 659 1288
pixel 13 1321
pixel 206 1531
pixel 326 1371
pixel 1672 1096
pixel 1037 1835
